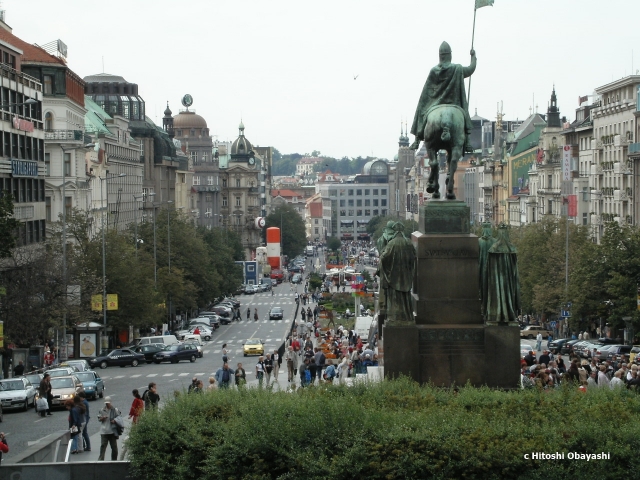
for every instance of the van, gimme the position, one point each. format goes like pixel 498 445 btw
pixel 309 251
pixel 163 339
pixel 362 327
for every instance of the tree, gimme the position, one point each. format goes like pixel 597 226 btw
pixel 8 226
pixel 334 244
pixel 292 230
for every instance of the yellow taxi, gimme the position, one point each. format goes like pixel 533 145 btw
pixel 253 346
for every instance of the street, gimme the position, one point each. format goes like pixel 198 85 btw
pixel 26 428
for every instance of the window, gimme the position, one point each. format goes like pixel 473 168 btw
pixel 224 183
pixel 367 202
pixel 68 205
pixel 210 180
pixel 250 268
pixel 351 192
pixel 48 121
pixel 192 133
pixel 47 84
pixel 238 201
pixel 67 164
pixel 375 202
pixel 351 203
pixel 375 191
pixel 343 213
pixel 383 191
pixel 342 203
pixel 196 180
pixel 47 202
pixel 225 202
pixel 207 212
pixel 549 181
pixel 237 183
pixel 383 202
pixel 359 203
pixel 367 213
pixel 375 213
pixel 316 230
pixel 207 198
pixel 584 219
pixel 351 213
pixel 47 164
pixel 359 192
pixel 384 212
pixel 359 212
pixel 316 221
pixel 550 206
pixel 366 191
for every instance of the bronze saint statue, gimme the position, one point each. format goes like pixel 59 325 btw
pixel 397 268
pixel 387 235
pixel 444 86
pixel 503 294
pixel 486 241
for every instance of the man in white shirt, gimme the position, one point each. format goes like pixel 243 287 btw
pixel 539 342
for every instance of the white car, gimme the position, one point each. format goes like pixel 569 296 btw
pixel 17 393
pixel 205 333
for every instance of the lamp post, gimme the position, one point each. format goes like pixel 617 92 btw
pixel 155 248
pixel 135 218
pixel 63 351
pixel 104 250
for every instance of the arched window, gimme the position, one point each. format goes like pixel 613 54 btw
pixel 48 121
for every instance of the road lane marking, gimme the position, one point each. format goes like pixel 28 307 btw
pixel 152 375
pixel 168 375
pixel 183 374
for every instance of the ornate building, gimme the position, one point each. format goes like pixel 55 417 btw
pixel 242 193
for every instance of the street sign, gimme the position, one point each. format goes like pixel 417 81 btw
pixel 565 314
pixel 553 325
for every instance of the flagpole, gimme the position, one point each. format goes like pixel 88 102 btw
pixel 473 34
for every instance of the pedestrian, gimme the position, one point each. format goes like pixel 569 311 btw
pixel 212 384
pixel 194 383
pixel 260 370
pixel 268 368
pixel 248 313
pixel 292 363
pixel 45 391
pixel 150 397
pixel 255 314
pixel 539 341
pixel 108 432
pixel 48 358
pixel 136 407
pixel 4 446
pixel 87 417
pixel 305 375
pixel 224 375
pixel 330 372
pixel 320 361
pixel 199 388
pixel 19 370
pixel 76 422
pixel 276 360
pixel 225 353
pixel 241 376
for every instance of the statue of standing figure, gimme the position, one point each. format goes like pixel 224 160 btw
pixel 381 244
pixel 486 241
pixel 503 293
pixel 397 268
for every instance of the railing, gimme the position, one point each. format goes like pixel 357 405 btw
pixel 26 80
pixel 75 135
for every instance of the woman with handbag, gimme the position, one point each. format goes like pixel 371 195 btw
pixel 76 423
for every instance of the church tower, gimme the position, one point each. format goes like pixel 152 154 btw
pixel 167 121
pixel 553 113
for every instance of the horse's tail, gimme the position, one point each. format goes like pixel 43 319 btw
pixel 446 135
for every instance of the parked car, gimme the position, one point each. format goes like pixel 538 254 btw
pixel 586 350
pixel 120 357
pixel 295 269
pixel 232 300
pixel 619 350
pixel 568 346
pixel 149 351
pixel 250 289
pixel 221 311
pixel 92 383
pixel 555 346
pixel 610 341
pixel 65 388
pixel 211 322
pixel 253 346
pixel 215 320
pixel 205 333
pixel 531 332
pixel 175 353
pixel 17 393
pixel 276 313
pixel 297 278
pixel 602 351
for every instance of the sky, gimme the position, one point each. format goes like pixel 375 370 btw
pixel 337 76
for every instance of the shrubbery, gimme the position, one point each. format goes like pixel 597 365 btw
pixel 389 430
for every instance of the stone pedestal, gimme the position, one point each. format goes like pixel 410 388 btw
pixel 450 344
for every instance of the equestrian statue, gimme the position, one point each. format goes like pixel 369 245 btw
pixel 442 118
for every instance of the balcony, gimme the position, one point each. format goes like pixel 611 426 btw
pixel 66 135
pixel 622 168
pixel 596 220
pixel 620 196
pixel 596 169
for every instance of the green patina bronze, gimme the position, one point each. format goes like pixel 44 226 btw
pixel 397 268
pixel 444 218
pixel 503 292
pixel 387 235
pixel 442 117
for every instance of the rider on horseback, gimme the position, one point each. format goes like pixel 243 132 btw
pixel 444 86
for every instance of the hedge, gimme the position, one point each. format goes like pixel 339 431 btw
pixel 388 430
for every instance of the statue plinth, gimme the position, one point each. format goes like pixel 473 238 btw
pixel 450 344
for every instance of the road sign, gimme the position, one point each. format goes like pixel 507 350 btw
pixel 565 314
pixel 553 325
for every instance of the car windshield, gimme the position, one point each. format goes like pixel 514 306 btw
pixel 276 309
pixel 58 373
pixel 62 383
pixel 12 385
pixel 253 341
pixel 34 379
pixel 86 377
pixel 172 348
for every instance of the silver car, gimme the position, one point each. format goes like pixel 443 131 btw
pixel 17 393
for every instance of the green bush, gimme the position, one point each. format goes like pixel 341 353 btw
pixel 389 430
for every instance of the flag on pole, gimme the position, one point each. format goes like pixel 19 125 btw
pixel 484 3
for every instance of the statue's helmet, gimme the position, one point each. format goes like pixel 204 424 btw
pixel 445 48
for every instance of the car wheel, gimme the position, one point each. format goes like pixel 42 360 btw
pixel 192 359
pixel 103 365
pixel 135 362
pixel 530 337
pixel 101 394
pixel 25 407
pixel 245 354
pixel 1 416
pixel 207 338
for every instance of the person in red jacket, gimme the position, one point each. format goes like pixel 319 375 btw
pixel 196 331
pixel 136 407
pixel 4 447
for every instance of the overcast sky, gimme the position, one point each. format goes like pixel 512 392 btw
pixel 287 67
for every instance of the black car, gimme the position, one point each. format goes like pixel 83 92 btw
pixel 295 269
pixel 149 351
pixel 555 346
pixel 175 353
pixel 567 347
pixel 120 357
pixel 276 313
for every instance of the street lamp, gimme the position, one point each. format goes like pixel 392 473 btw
pixel 155 250
pixel 64 236
pixel 104 251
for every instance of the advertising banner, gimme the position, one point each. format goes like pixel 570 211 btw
pixel 566 163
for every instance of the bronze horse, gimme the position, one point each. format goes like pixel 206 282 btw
pixel 444 131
